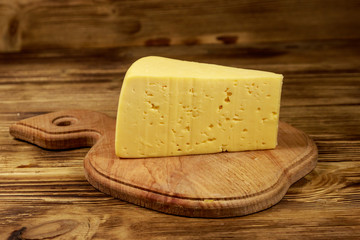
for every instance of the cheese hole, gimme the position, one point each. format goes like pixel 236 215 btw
pixel 245 130
pixel 148 93
pixel 223 149
pixel 211 126
pixel 195 113
pixel 153 106
pixel 227 99
pixel 221 107
pixel 204 133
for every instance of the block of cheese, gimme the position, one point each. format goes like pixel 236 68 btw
pixel 170 107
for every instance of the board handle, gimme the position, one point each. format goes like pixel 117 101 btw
pixel 64 129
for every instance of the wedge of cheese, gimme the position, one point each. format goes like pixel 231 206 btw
pixel 170 107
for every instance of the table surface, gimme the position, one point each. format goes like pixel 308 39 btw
pixel 42 189
pixel 44 194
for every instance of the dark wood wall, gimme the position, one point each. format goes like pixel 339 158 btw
pixel 73 24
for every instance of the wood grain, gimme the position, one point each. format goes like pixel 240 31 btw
pixel 212 185
pixel 77 24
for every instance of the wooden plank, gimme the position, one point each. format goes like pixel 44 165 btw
pixel 39 24
pixel 286 220
pixel 303 57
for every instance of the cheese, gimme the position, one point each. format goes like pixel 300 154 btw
pixel 171 107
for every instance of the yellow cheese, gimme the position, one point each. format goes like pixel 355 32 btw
pixel 170 107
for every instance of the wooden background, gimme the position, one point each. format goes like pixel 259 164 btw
pixel 57 55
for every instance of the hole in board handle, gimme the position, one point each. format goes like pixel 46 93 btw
pixel 64 121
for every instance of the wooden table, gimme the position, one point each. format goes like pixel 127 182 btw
pixel 44 194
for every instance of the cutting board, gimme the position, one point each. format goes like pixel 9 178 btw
pixel 211 185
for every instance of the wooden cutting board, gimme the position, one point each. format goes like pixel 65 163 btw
pixel 212 185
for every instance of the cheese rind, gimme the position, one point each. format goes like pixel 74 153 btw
pixel 171 107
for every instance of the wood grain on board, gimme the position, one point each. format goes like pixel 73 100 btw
pixel 315 44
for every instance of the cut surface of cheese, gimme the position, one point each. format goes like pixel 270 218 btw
pixel 170 107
